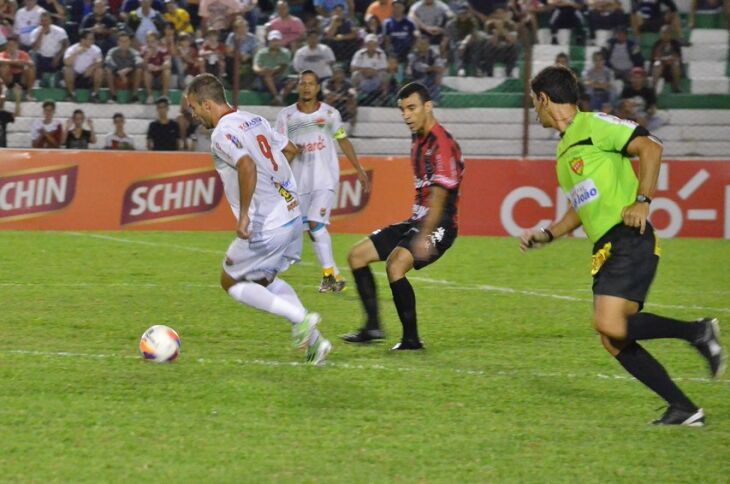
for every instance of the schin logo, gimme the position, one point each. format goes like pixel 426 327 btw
pixel 350 197
pixel 35 192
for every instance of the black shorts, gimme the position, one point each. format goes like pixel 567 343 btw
pixel 83 82
pixel 653 24
pixel 625 262
pixel 402 234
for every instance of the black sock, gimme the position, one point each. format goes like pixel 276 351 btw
pixel 642 326
pixel 639 362
pixel 365 283
pixel 405 303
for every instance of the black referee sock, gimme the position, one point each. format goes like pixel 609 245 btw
pixel 405 303
pixel 365 283
pixel 642 366
pixel 642 326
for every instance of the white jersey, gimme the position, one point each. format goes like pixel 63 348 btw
pixel 317 166
pixel 274 201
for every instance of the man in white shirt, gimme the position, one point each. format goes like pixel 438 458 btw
pixel 314 56
pixel 253 162
pixel 49 43
pixel 369 68
pixel 83 67
pixel 314 127
pixel 26 20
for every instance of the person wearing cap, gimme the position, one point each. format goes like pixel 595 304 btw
pixel 399 32
pixel 290 27
pixel 16 67
pixel 179 17
pixel 643 99
pixel 369 71
pixel 623 54
pixel 314 56
pixel 271 65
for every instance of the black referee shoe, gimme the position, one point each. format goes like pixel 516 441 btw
pixel 364 336
pixel 408 344
pixel 709 346
pixel 679 416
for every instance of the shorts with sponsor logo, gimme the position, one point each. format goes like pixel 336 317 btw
pixel 265 254
pixel 317 206
pixel 402 234
pixel 625 262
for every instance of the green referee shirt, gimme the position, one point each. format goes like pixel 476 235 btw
pixel 594 172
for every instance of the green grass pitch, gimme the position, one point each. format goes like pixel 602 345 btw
pixel 513 387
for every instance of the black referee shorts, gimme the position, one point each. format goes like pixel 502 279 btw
pixel 625 263
pixel 402 234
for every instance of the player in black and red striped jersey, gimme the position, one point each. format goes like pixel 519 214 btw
pixel 423 238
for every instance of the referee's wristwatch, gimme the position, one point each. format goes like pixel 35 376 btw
pixel 643 199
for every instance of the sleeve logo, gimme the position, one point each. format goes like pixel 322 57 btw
pixel 583 193
pixel 236 142
pixel 577 167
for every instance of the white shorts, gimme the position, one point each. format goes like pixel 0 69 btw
pixel 317 206
pixel 266 254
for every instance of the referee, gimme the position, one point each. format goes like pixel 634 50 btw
pixel 426 235
pixel 612 205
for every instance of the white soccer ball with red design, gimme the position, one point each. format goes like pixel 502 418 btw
pixel 160 344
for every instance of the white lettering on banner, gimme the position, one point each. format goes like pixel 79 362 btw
pixel 26 194
pixel 172 196
pixel 506 211
pixel 583 193
pixel 674 213
pixel 349 193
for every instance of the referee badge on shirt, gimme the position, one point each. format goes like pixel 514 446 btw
pixel 577 167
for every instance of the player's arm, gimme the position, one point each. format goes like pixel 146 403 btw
pixel 246 169
pixel 290 151
pixel 531 239
pixel 349 152
pixel 649 150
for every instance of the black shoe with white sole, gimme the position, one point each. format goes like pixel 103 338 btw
pixel 680 416
pixel 364 336
pixel 710 347
pixel 408 344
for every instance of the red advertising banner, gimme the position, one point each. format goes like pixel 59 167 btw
pixel 114 190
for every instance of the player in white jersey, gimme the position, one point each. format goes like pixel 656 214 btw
pixel 253 162
pixel 314 127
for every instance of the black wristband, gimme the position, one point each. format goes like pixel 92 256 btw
pixel 547 232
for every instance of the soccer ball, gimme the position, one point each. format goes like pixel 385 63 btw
pixel 160 344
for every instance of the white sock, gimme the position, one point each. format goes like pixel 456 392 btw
pixel 257 296
pixel 282 289
pixel 322 242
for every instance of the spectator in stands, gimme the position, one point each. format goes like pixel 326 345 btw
pixel 666 58
pixel 49 43
pixel 314 56
pixel 47 132
pixel 250 12
pixel 290 27
pixel 212 55
pixel 714 9
pixel 372 26
pixel 271 65
pixel 647 16
pixel 143 20
pixel 169 39
pixel 430 16
pixel 605 15
pixel 57 10
pixel 102 23
pixel 399 32
pixel 118 139
pixel 383 9
pixel 502 42
pixel 129 6
pixel 218 14
pixel 483 9
pixel 6 117
pixel 369 72
pixel 8 8
pixel 187 123
pixel 464 41
pixel 338 92
pixel 75 137
pixel 157 67
pixel 340 34
pixel 523 16
pixel 26 20
pixel 247 45
pixel 179 17
pixel 16 67
pixel 123 68
pixel 643 99
pixel 187 63
pixel 567 15
pixel 164 133
pixel 598 81
pixel 426 66
pixel 326 7
pixel 83 67
pixel 623 54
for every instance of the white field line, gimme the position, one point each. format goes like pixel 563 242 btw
pixel 357 366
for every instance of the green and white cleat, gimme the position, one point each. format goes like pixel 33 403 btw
pixel 303 331
pixel 317 353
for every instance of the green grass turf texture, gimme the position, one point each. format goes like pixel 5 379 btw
pixel 513 386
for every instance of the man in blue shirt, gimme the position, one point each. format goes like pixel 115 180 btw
pixel 399 32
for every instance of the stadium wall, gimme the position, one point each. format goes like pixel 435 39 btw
pixel 112 190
